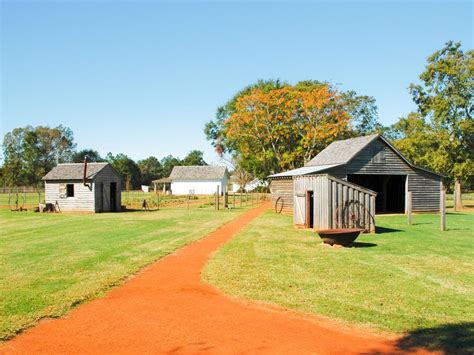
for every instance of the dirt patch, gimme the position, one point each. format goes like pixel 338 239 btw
pixel 166 308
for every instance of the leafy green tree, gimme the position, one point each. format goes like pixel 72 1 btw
pixel 126 167
pixel 168 163
pixel 445 97
pixel 194 157
pixel 363 111
pixel 93 156
pixel 30 152
pixel 417 140
pixel 150 169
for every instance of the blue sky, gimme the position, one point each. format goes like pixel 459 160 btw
pixel 142 78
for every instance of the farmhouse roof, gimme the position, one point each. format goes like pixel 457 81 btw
pixel 198 172
pixel 74 171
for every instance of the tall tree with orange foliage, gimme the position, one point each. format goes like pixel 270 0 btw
pixel 274 127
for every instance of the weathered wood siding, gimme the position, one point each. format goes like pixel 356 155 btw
pixel 282 188
pixel 364 162
pixel 425 188
pixel 330 194
pixel 377 158
pixel 83 199
pixel 102 190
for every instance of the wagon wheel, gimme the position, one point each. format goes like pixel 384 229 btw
pixel 278 206
pixel 15 201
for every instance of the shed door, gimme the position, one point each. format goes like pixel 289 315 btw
pixel 299 209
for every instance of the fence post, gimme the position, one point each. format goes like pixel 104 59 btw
pixel 442 209
pixel 233 200
pixel 217 193
pixel 240 195
pixel 409 207
pixel 224 190
pixel 457 196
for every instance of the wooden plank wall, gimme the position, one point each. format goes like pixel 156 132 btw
pixel 282 188
pixel 364 162
pixel 425 190
pixel 83 199
pixel 102 190
pixel 330 193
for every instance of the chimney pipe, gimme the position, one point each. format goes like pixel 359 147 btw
pixel 85 171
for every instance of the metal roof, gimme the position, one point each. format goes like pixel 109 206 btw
pixel 305 170
pixel 198 173
pixel 74 171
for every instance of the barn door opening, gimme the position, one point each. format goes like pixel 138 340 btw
pixel 309 218
pixel 113 196
pixel 390 191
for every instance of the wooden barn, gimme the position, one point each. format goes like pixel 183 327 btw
pixel 84 187
pixel 370 163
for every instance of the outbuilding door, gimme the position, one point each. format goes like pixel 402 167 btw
pixel 309 217
pixel 113 197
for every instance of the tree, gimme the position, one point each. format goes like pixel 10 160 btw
pixel 214 129
pixel 194 157
pixel 93 156
pixel 273 126
pixel 363 111
pixel 150 169
pixel 168 163
pixel 126 167
pixel 445 97
pixel 29 153
pixel 417 140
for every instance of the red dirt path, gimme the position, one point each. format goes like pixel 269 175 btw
pixel 166 308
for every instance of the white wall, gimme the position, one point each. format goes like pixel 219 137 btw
pixel 200 187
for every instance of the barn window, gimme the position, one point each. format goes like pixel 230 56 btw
pixel 379 156
pixel 70 190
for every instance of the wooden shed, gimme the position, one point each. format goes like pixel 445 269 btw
pixel 79 187
pixel 326 202
pixel 369 162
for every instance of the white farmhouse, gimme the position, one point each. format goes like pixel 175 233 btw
pixel 199 180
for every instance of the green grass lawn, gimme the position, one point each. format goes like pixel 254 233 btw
pixel 408 277
pixel 50 262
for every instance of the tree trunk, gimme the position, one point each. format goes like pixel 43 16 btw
pixel 457 196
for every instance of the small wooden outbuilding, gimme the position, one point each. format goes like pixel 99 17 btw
pixel 368 163
pixel 80 187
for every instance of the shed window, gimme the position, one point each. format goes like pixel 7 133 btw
pixel 70 190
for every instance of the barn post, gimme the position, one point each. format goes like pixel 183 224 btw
pixel 442 208
pixel 372 214
pixel 409 207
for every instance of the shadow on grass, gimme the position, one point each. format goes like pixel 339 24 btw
pixel 382 230
pixel 362 245
pixel 447 338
